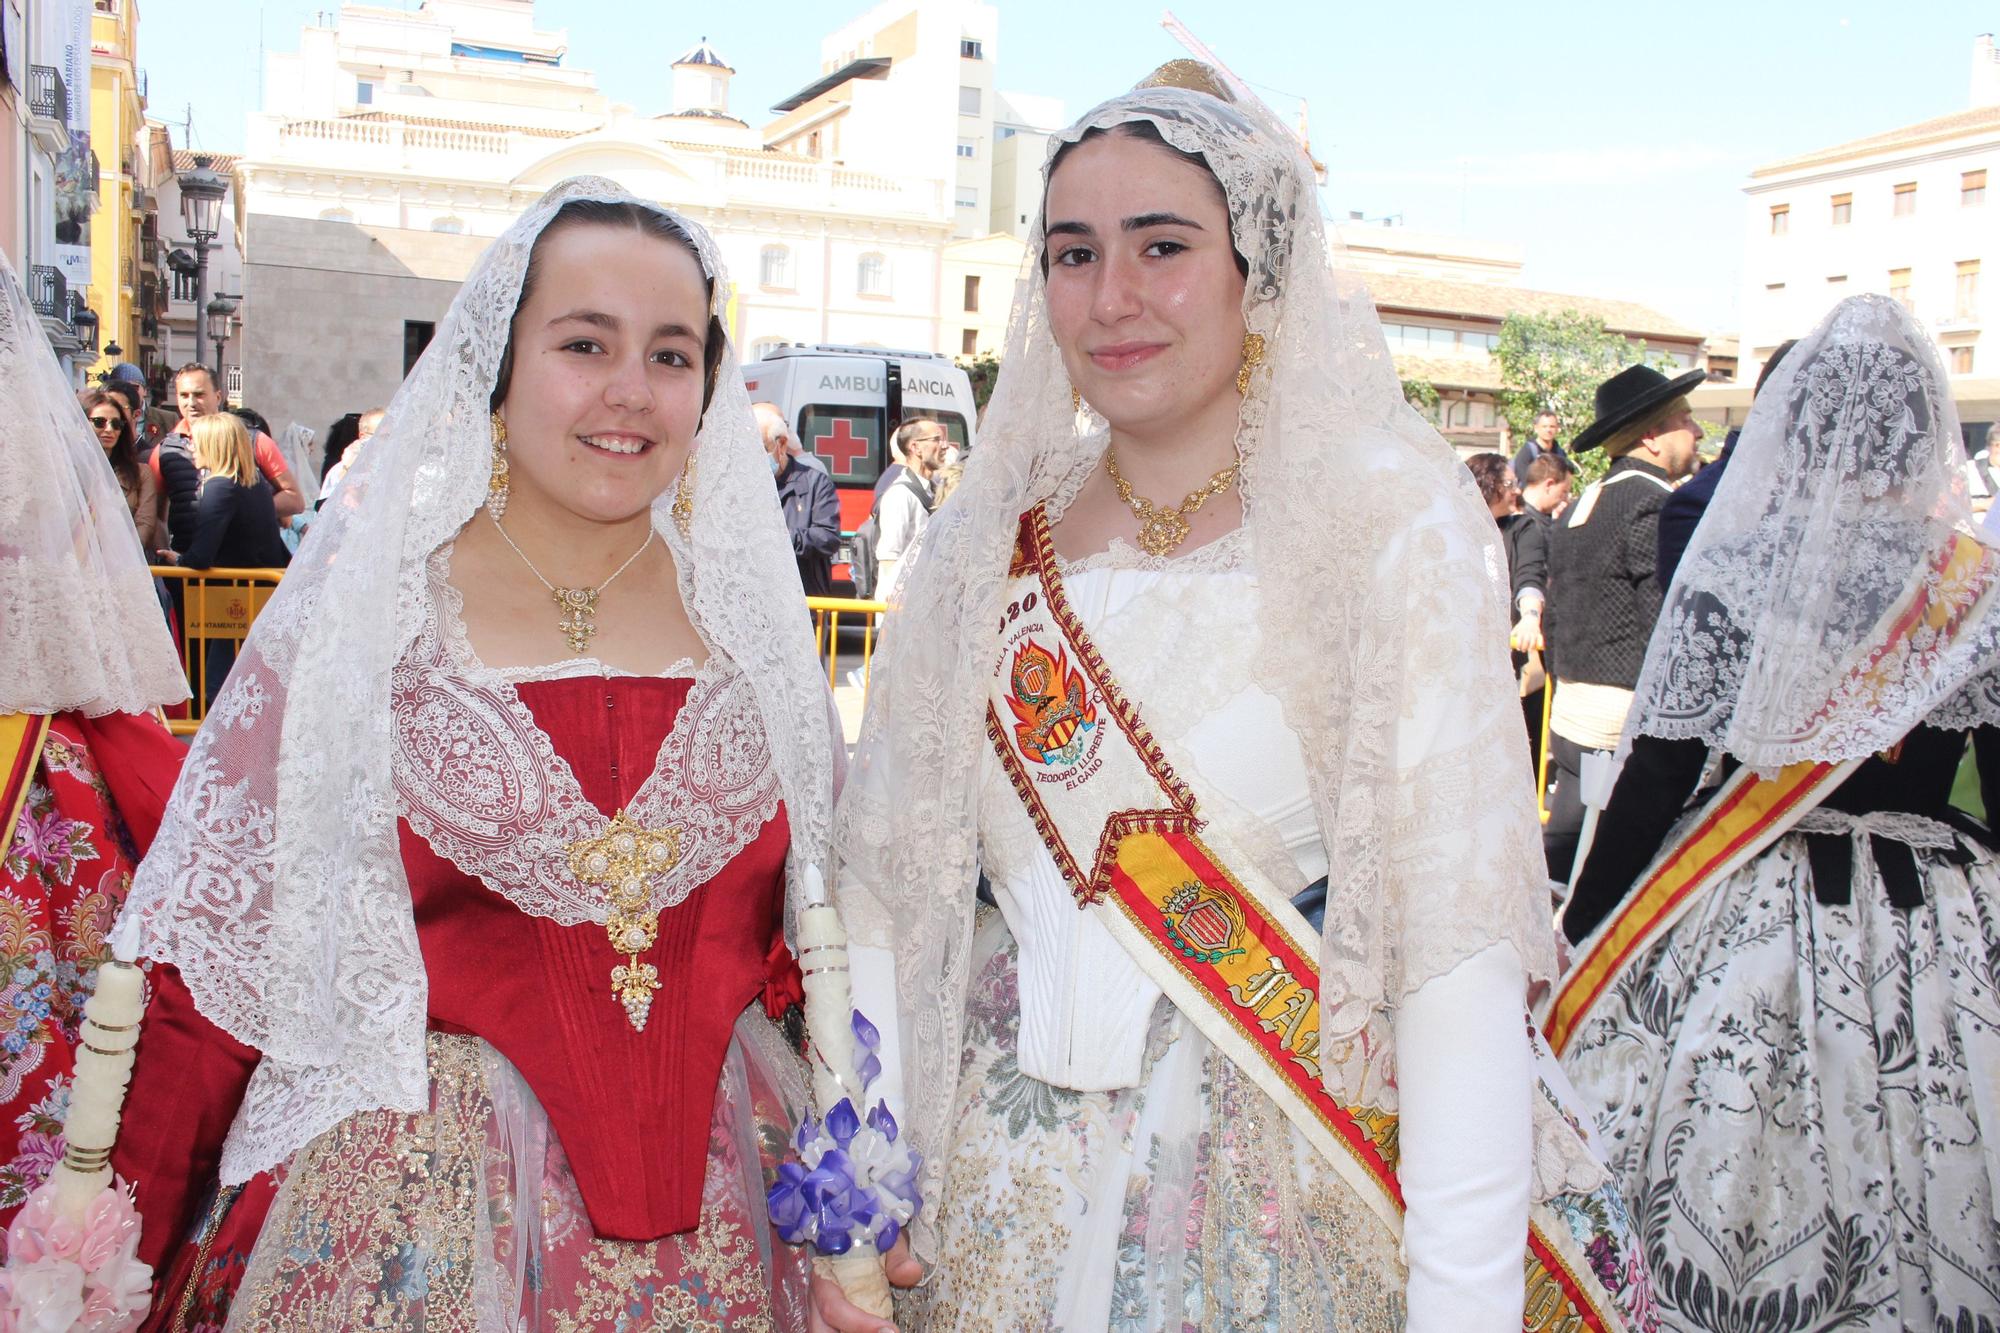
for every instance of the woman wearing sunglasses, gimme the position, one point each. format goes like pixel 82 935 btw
pixel 113 428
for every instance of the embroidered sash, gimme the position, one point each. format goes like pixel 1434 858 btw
pixel 1221 941
pixel 21 737
pixel 1747 813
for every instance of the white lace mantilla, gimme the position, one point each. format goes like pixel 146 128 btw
pixel 480 782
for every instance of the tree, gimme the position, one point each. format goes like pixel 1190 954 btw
pixel 1555 362
pixel 1422 395
pixel 984 372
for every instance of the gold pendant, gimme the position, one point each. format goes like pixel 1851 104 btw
pixel 623 859
pixel 578 620
pixel 1161 532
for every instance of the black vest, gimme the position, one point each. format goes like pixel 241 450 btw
pixel 1604 591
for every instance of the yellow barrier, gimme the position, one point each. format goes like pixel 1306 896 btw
pixel 826 614
pixel 213 606
pixel 1542 769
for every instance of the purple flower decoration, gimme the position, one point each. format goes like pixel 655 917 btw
pixel 868 1039
pixel 842 1124
pixel 882 1122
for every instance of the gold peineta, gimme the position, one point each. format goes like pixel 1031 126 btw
pixel 1192 75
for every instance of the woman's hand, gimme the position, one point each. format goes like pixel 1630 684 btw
pixel 832 1312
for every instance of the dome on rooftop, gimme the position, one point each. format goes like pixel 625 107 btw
pixel 704 54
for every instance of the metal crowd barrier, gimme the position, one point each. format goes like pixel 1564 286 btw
pixel 218 606
pixel 213 608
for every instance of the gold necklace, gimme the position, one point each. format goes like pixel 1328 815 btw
pixel 1163 530
pixel 577 607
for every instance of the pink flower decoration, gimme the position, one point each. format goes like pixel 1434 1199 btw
pixel 62 1275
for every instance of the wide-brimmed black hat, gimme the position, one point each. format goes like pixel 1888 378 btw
pixel 1627 397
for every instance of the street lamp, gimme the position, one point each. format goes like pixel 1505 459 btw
pixel 222 322
pixel 85 323
pixel 202 193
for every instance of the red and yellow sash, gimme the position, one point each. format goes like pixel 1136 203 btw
pixel 21 737
pixel 1747 814
pixel 1221 941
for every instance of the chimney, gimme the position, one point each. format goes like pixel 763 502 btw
pixel 1985 71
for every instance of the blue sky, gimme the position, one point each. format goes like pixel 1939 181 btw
pixel 1610 142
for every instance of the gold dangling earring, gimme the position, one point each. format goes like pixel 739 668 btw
pixel 683 506
pixel 496 483
pixel 1075 401
pixel 1253 356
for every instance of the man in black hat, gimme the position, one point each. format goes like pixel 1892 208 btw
pixel 1604 591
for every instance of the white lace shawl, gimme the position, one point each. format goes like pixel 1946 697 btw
pixel 80 627
pixel 275 884
pixel 1841 497
pixel 1373 550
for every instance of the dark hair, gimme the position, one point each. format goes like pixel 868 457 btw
pixel 1145 131
pixel 124 455
pixel 338 436
pixel 1547 467
pixel 1548 412
pixel 1489 471
pixel 128 391
pixel 254 420
pixel 638 217
pixel 196 368
pixel 1771 364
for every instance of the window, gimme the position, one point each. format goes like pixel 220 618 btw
pixel 1966 302
pixel 871 276
pixel 1843 209
pixel 763 347
pixel 970 49
pixel 1961 360
pixel 848 439
pixel 336 215
pixel 417 335
pixel 364 93
pixel 812 144
pixel 968 197
pixel 774 267
pixel 968 148
pixel 1781 219
pixel 1899 288
pixel 1906 199
pixel 1972 189
pixel 448 226
pixel 968 343
pixel 971 291
pixel 968 101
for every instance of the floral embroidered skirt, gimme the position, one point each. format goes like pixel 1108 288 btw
pixel 1188 1202
pixel 469 1218
pixel 1803 1100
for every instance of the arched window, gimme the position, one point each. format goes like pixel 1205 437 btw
pixel 450 226
pixel 336 215
pixel 774 268
pixel 872 275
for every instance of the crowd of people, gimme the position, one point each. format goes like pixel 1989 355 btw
pixel 1192 883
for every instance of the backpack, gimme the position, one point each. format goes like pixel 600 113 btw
pixel 862 565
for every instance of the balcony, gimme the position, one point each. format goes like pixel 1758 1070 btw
pixel 48 109
pixel 49 294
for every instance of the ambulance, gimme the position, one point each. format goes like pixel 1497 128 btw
pixel 845 402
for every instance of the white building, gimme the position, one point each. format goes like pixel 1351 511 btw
pixel 1906 213
pixel 394 144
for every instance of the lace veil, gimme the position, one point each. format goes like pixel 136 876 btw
pixel 83 628
pixel 1841 501
pixel 276 885
pixel 1377 564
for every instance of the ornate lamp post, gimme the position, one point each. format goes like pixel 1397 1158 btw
pixel 222 325
pixel 202 193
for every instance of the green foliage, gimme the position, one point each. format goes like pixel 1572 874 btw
pixel 1556 362
pixel 1422 395
pixel 984 372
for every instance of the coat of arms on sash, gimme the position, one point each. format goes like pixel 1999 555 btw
pixel 1054 717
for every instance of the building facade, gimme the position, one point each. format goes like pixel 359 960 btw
pixel 1907 214
pixel 117 137
pixel 49 189
pixel 396 144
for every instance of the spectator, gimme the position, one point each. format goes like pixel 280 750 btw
pixel 947 479
pixel 236 523
pixel 1605 593
pixel 904 509
pixel 898 445
pixel 339 436
pixel 1541 444
pixel 113 426
pixel 1683 510
pixel 1545 486
pixel 810 504
pixel 1526 537
pixel 198 396
pixel 364 428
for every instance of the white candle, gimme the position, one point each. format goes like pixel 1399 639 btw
pixel 103 1071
